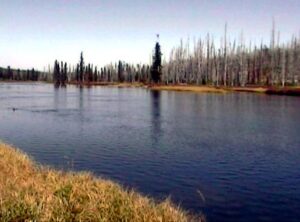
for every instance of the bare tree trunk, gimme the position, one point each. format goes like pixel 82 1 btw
pixel 283 67
pixel 272 53
pixel 207 60
pixel 225 56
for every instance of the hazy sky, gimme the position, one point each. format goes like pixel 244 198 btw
pixel 33 33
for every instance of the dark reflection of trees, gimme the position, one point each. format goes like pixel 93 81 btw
pixel 56 97
pixel 80 107
pixel 60 98
pixel 156 114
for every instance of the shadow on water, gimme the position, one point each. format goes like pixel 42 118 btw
pixel 81 116
pixel 156 116
pixel 60 98
pixel 80 100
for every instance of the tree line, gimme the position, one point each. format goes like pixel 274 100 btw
pixel 88 73
pixel 197 62
pixel 118 72
pixel 234 63
pixel 63 73
pixel 19 75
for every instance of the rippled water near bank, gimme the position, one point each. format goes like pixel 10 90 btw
pixel 241 151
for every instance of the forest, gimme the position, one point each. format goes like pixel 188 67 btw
pixel 20 75
pixel 200 62
pixel 234 63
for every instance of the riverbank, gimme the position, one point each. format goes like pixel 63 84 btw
pixel 187 88
pixel 182 88
pixel 276 90
pixel 30 192
pixel 289 90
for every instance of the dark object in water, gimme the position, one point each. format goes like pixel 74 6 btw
pixel 14 109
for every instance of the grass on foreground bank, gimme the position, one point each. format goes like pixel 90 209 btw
pixel 29 192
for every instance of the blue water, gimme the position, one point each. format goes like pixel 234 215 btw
pixel 234 157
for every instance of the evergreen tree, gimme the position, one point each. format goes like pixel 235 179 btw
pixel 9 73
pixel 90 73
pixel 77 73
pixel 156 69
pixel 96 74
pixel 64 77
pixel 1 73
pixel 81 67
pixel 32 77
pixel 120 72
pixel 56 73
pixel 101 74
pixel 27 74
pixel 18 77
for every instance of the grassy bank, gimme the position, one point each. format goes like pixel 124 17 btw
pixel 290 90
pixel 275 90
pixel 29 192
pixel 187 88
pixel 256 89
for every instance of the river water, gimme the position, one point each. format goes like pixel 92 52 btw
pixel 234 157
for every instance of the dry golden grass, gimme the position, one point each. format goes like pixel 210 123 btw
pixel 290 90
pixel 29 192
pixel 188 88
pixel 128 85
pixel 183 88
pixel 247 89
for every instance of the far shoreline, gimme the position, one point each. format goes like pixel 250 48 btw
pixel 267 90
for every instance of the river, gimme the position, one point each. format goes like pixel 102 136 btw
pixel 234 156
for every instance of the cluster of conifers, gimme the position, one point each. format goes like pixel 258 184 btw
pixel 120 72
pixel 19 75
pixel 60 73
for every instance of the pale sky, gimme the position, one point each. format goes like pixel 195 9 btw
pixel 33 33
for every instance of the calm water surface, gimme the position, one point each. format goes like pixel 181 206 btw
pixel 241 151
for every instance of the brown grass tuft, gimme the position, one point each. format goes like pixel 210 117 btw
pixel 29 192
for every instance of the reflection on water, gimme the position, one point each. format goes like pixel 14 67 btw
pixel 80 100
pixel 155 112
pixel 240 150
